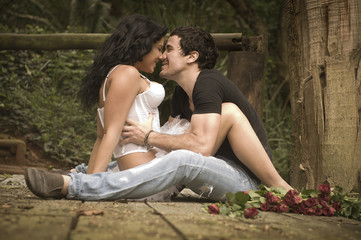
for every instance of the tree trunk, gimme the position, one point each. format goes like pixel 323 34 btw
pixel 324 52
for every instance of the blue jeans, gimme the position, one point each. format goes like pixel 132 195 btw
pixel 207 176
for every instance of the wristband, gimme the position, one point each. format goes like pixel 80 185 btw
pixel 146 143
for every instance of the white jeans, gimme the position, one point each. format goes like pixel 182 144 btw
pixel 207 176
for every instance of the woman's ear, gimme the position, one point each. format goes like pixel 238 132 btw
pixel 192 57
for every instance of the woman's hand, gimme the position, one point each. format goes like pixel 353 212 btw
pixel 134 132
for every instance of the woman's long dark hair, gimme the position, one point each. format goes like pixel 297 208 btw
pixel 131 41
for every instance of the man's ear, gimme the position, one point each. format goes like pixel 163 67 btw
pixel 192 57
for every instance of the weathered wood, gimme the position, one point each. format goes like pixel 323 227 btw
pixel 120 221
pixel 24 216
pixel 58 41
pixel 246 69
pixel 36 219
pixel 19 147
pixel 324 64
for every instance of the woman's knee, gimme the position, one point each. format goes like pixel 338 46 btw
pixel 182 157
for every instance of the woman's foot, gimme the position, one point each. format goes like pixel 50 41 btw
pixel 46 184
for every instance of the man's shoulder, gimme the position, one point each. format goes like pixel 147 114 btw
pixel 210 73
pixel 210 79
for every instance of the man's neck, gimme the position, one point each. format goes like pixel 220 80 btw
pixel 187 81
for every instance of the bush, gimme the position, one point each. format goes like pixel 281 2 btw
pixel 38 100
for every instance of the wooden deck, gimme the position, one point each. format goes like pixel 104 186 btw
pixel 24 216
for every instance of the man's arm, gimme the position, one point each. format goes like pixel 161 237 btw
pixel 201 138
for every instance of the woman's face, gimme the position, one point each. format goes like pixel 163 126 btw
pixel 150 60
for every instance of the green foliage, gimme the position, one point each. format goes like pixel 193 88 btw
pixel 38 100
pixel 351 203
pixel 277 120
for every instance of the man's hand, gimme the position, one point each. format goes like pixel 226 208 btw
pixel 134 132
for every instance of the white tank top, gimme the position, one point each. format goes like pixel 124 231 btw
pixel 145 103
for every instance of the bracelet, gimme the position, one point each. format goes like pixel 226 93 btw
pixel 146 143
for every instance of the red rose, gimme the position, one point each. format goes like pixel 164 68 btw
pixel 310 211
pixel 328 211
pixel 325 189
pixel 311 202
pixel 292 193
pixel 251 212
pixel 268 194
pixel 292 201
pixel 323 203
pixel 272 199
pixel 213 209
pixel 336 205
pixel 323 197
pixel 291 198
pixel 318 212
pixel 273 208
pixel 302 208
pixel 297 210
pixel 283 208
pixel 265 206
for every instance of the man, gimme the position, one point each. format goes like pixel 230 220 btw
pixel 221 118
pixel 189 57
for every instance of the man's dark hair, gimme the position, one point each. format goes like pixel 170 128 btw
pixel 196 39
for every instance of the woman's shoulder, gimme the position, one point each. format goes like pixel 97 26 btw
pixel 125 71
pixel 125 75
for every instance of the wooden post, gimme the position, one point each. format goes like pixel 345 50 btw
pixel 246 69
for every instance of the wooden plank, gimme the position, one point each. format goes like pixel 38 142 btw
pixel 36 219
pixel 197 224
pixel 58 41
pixel 133 220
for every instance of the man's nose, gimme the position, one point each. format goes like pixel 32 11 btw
pixel 162 56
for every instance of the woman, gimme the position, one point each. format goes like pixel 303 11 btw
pixel 115 84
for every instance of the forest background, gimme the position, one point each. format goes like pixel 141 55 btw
pixel 38 89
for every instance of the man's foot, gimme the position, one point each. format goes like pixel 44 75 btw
pixel 44 184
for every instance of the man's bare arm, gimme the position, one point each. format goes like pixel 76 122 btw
pixel 201 138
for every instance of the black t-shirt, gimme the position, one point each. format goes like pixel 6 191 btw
pixel 212 89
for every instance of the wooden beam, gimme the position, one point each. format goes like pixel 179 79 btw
pixel 63 41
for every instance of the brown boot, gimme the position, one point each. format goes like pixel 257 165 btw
pixel 44 184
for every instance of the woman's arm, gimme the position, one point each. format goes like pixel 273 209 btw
pixel 96 145
pixel 123 87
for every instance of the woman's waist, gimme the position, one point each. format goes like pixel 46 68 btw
pixel 134 159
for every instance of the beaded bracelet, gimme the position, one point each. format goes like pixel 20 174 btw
pixel 146 143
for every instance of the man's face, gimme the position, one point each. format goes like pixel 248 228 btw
pixel 173 60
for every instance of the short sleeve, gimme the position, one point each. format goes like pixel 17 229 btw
pixel 207 96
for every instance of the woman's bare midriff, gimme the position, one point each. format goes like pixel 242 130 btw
pixel 135 159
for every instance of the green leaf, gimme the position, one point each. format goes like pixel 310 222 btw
pixel 237 207
pixel 262 199
pixel 253 194
pixel 230 197
pixel 241 198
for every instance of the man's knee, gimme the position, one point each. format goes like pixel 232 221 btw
pixel 231 113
